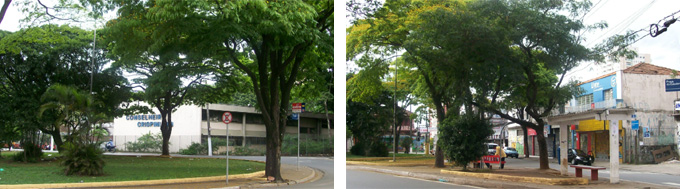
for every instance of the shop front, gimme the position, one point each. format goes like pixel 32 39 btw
pixel 592 137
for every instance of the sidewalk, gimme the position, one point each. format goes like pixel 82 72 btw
pixel 669 167
pixel 515 175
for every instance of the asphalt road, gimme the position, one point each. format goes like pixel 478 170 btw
pixel 654 178
pixel 367 179
pixel 320 163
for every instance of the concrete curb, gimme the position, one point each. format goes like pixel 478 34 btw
pixel 292 182
pixel 387 164
pixel 137 183
pixel 550 181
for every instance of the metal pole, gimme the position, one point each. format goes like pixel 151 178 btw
pixel 210 152
pixel 394 132
pixel 227 154
pixel 298 140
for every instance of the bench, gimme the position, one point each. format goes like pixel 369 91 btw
pixel 491 159
pixel 593 170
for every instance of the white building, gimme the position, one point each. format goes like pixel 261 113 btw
pixel 190 126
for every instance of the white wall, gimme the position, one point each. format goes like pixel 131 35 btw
pixel 186 129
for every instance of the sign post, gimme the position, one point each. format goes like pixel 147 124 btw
pixel 226 118
pixel 298 108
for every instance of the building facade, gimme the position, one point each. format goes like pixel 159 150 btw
pixel 641 87
pixel 190 125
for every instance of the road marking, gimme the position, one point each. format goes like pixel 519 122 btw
pixel 670 183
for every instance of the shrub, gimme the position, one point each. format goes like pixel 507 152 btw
pixel 307 146
pixel 358 149
pixel 195 149
pixel 462 139
pixel 32 153
pixel 246 151
pixel 82 159
pixel 147 143
pixel 378 149
pixel 406 144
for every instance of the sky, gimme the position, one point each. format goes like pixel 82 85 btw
pixel 635 15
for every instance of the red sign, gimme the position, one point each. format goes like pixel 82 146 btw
pixel 226 117
pixel 298 107
pixel 531 132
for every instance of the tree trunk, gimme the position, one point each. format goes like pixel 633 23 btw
pixel 273 161
pixel 542 149
pixel 439 160
pixel 166 131
pixel 526 141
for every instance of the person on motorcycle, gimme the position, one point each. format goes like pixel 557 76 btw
pixel 110 146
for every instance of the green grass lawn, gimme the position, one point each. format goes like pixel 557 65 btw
pixel 119 168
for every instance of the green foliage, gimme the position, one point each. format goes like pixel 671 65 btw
pixel 146 143
pixel 32 153
pixel 376 149
pixel 246 151
pixel 307 146
pixel 406 144
pixel 462 138
pixel 195 149
pixel 83 159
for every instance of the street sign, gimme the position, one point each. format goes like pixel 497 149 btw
pixel 677 105
pixel 226 117
pixel 635 124
pixel 672 85
pixel 294 116
pixel 298 107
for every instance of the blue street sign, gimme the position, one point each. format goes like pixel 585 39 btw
pixel 672 85
pixel 635 124
pixel 294 116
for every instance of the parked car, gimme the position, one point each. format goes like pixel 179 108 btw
pixel 576 156
pixel 491 148
pixel 511 152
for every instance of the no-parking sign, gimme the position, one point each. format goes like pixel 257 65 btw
pixel 226 117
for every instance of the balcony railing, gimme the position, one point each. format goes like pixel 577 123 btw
pixel 607 104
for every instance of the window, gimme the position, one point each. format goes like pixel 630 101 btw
pixel 585 99
pixel 608 94
pixel 216 116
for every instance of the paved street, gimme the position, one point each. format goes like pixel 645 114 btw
pixel 367 179
pixel 654 178
pixel 321 163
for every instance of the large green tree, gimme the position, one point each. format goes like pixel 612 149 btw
pixel 270 41
pixel 33 59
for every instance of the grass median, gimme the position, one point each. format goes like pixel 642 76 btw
pixel 123 168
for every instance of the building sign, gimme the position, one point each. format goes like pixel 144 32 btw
pixel 546 130
pixel 602 84
pixel 144 120
pixel 672 85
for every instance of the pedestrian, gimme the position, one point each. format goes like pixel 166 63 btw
pixel 501 153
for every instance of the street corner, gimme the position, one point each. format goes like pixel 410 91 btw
pixel 521 175
pixel 291 176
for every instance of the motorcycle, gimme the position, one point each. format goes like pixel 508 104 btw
pixel 110 148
